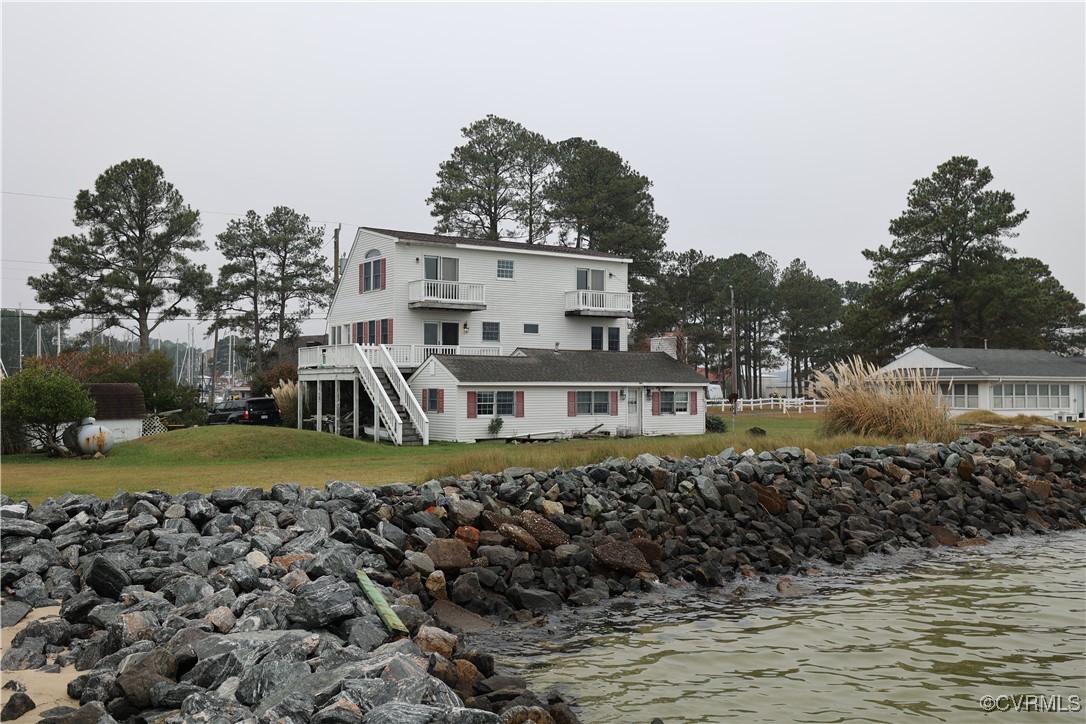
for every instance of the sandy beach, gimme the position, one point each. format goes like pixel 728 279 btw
pixel 47 690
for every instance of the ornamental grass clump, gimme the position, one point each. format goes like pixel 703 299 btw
pixel 896 404
pixel 286 397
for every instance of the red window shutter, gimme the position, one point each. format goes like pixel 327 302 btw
pixel 361 278
pixel 365 332
pixel 440 400
pixel 472 412
pixel 354 334
pixel 571 404
pixel 519 395
pixel 425 399
pixel 384 276
pixel 614 402
pixel 656 402
pixel 390 330
pixel 693 402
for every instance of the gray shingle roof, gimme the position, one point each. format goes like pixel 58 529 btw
pixel 575 366
pixel 450 240
pixel 1009 363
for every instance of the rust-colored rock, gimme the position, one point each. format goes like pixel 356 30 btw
pixel 660 476
pixel 652 550
pixel 770 499
pixel 520 538
pixel 547 533
pixel 449 554
pixel 945 536
pixel 493 521
pixel 431 639
pixel 1043 488
pixel 470 536
pixel 622 556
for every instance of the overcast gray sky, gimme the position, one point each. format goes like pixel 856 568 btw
pixel 795 129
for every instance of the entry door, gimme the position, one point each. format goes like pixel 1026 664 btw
pixel 450 334
pixel 633 410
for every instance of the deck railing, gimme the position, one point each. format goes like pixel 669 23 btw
pixel 432 290
pixel 590 300
pixel 407 356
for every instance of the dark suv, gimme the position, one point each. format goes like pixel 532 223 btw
pixel 249 411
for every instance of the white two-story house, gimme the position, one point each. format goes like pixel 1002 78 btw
pixel 405 297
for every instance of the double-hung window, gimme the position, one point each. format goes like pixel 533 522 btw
pixel 673 403
pixel 504 402
pixel 597 338
pixel 372 272
pixel 505 268
pixel 596 402
pixel 492 332
pixel 484 403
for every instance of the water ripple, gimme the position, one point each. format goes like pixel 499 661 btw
pixel 899 639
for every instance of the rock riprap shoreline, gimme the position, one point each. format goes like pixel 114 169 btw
pixel 244 604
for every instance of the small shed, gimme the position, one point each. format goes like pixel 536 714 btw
pixel 120 407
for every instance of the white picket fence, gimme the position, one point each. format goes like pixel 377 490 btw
pixel 783 404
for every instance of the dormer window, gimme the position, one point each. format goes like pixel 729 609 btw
pixel 371 273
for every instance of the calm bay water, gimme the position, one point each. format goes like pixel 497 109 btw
pixel 921 636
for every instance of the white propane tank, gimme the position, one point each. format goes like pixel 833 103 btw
pixel 92 437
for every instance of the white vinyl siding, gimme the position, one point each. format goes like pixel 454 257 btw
pixel 505 303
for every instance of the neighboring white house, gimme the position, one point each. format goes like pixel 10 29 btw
pixel 405 296
pixel 544 393
pixel 1005 381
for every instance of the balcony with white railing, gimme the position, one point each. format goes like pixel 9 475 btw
pixel 594 303
pixel 405 356
pixel 435 294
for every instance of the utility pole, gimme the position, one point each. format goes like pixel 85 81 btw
pixel 735 360
pixel 20 336
pixel 335 256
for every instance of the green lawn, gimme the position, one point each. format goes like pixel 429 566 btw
pixel 208 458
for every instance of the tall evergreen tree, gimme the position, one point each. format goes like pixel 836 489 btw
pixel 476 188
pixel 601 203
pixel 809 311
pixel 130 267
pixel 952 225
pixel 274 275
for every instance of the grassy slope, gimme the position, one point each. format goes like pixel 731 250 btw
pixel 209 458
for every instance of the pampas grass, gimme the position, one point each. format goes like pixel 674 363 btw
pixel 899 404
pixel 286 396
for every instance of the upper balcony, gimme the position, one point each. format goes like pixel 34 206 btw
pixel 593 303
pixel 434 294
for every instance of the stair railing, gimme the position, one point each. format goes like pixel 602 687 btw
pixel 385 409
pixel 407 398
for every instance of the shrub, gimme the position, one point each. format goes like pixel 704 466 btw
pixel 899 404
pixel 42 403
pixel 495 426
pixel 262 383
pixel 286 397
pixel 715 423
